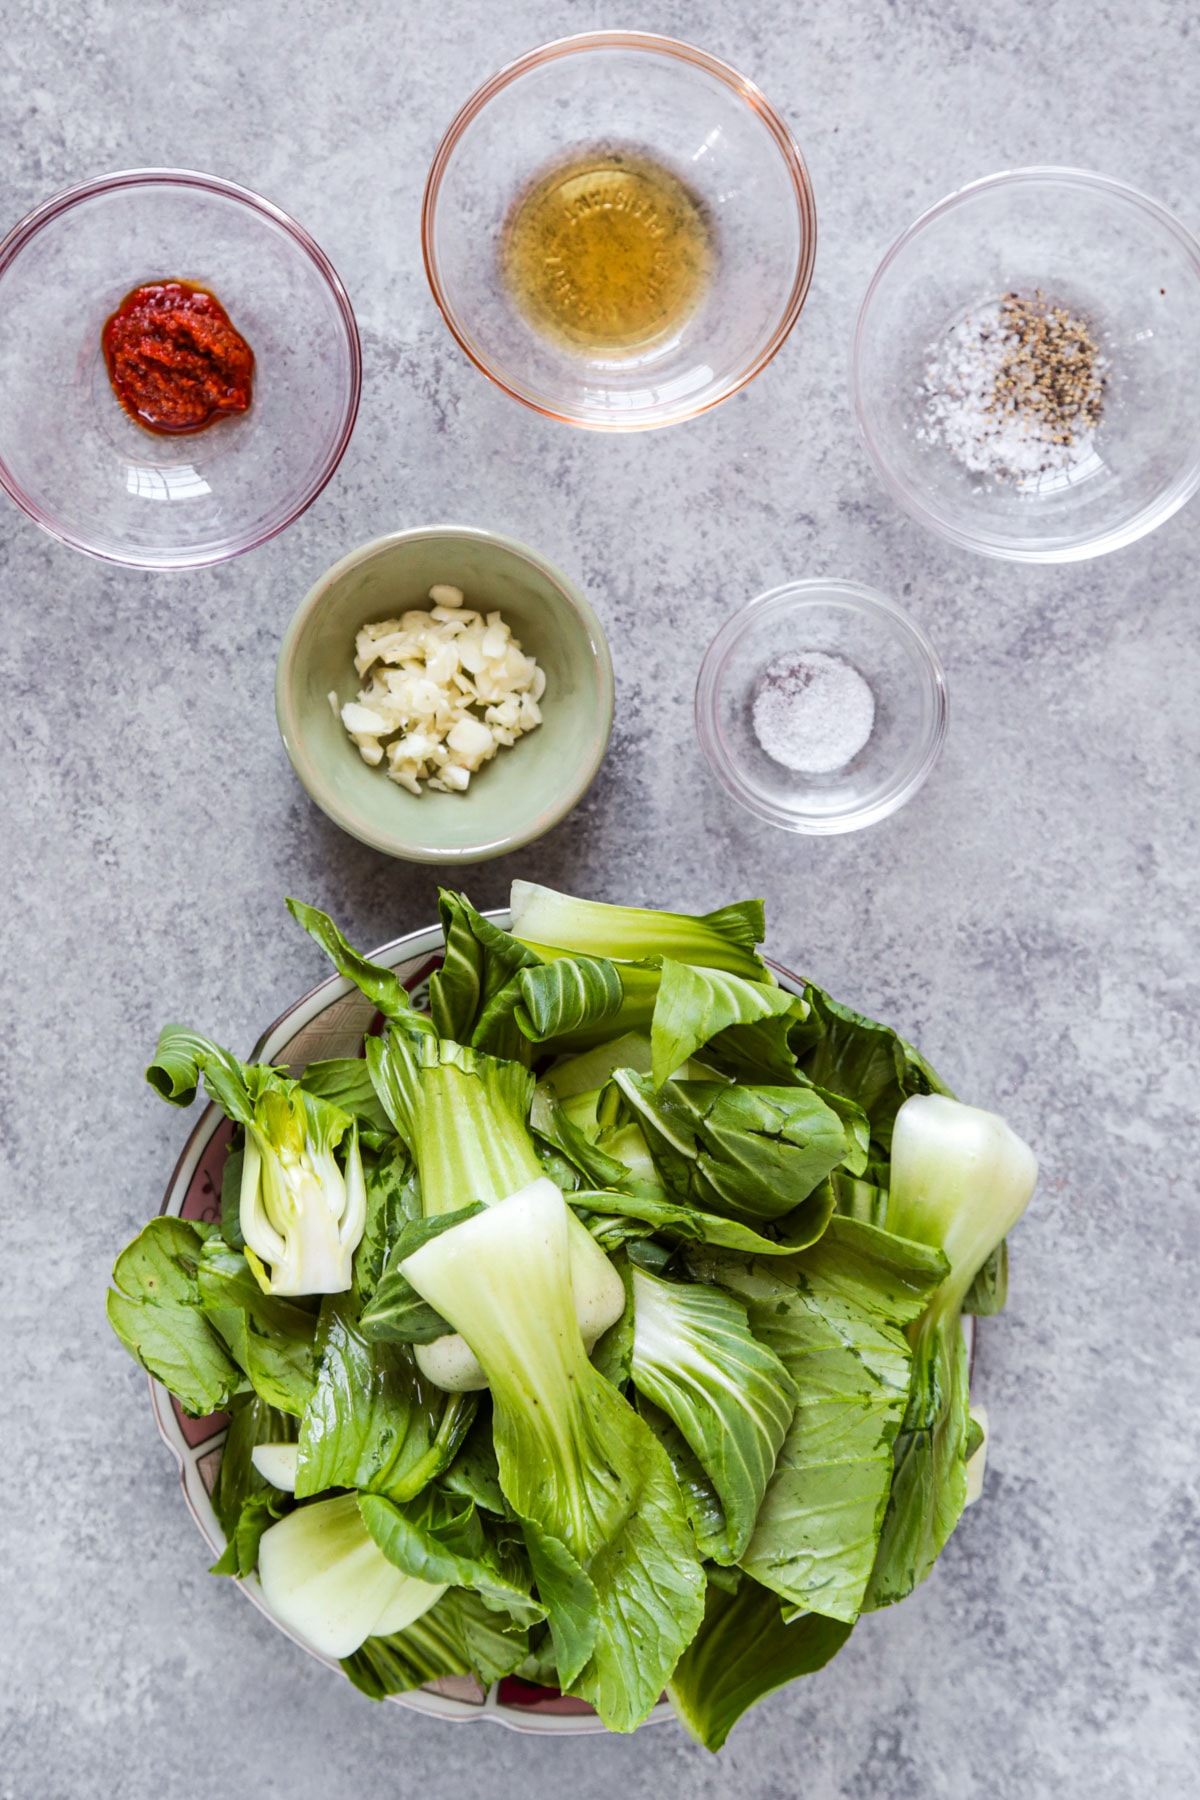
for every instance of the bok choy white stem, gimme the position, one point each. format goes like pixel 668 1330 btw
pixel 325 1578
pixel 299 1211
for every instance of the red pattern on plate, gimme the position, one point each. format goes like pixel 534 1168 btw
pixel 204 1189
pixel 515 1692
pixel 198 1431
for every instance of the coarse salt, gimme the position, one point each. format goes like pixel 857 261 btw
pixel 812 712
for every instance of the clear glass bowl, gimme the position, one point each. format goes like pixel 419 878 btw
pixel 70 455
pixel 1103 251
pixel 679 107
pixel 877 638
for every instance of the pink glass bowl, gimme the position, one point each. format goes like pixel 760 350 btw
pixel 76 462
pixel 677 106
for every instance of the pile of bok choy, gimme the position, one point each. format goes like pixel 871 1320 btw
pixel 601 1326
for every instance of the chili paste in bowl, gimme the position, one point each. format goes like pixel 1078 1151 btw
pixel 175 359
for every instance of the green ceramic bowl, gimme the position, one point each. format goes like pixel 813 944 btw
pixel 525 789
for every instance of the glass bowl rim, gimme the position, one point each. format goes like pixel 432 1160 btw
pixel 1097 543
pixel 27 228
pixel 855 596
pixel 671 48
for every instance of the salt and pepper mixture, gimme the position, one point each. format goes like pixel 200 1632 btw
pixel 1015 391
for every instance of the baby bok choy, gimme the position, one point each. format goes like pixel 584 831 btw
pixel 604 1522
pixel 960 1180
pixel 301 1212
pixel 463 1115
pixel 705 1238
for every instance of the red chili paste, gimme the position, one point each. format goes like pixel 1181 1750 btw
pixel 175 361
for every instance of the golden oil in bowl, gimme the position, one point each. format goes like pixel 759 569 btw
pixel 608 253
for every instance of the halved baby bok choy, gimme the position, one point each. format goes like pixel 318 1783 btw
pixel 301 1212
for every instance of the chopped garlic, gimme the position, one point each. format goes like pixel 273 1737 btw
pixel 422 674
pixel 472 740
pixel 363 721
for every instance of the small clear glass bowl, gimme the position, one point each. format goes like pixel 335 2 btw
pixel 892 654
pixel 681 108
pixel 1104 252
pixel 75 461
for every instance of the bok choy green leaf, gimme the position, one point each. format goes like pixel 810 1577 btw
pixel 834 1315
pixel 271 1338
pixel 381 985
pixel 679 1221
pixel 441 1540
pixel 471 996
pixel 156 1311
pixel 695 1005
pixel 568 995
pixel 696 1357
pixel 346 1081
pixel 750 1153
pixel 742 1652
pixel 373 1422
pixel 867 1062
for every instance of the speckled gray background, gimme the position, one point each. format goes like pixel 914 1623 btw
pixel 1030 919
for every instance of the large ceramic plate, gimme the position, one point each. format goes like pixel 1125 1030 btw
pixel 331 1021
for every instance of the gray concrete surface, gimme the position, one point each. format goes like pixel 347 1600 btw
pixel 1030 919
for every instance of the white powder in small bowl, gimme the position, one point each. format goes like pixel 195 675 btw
pixel 812 712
